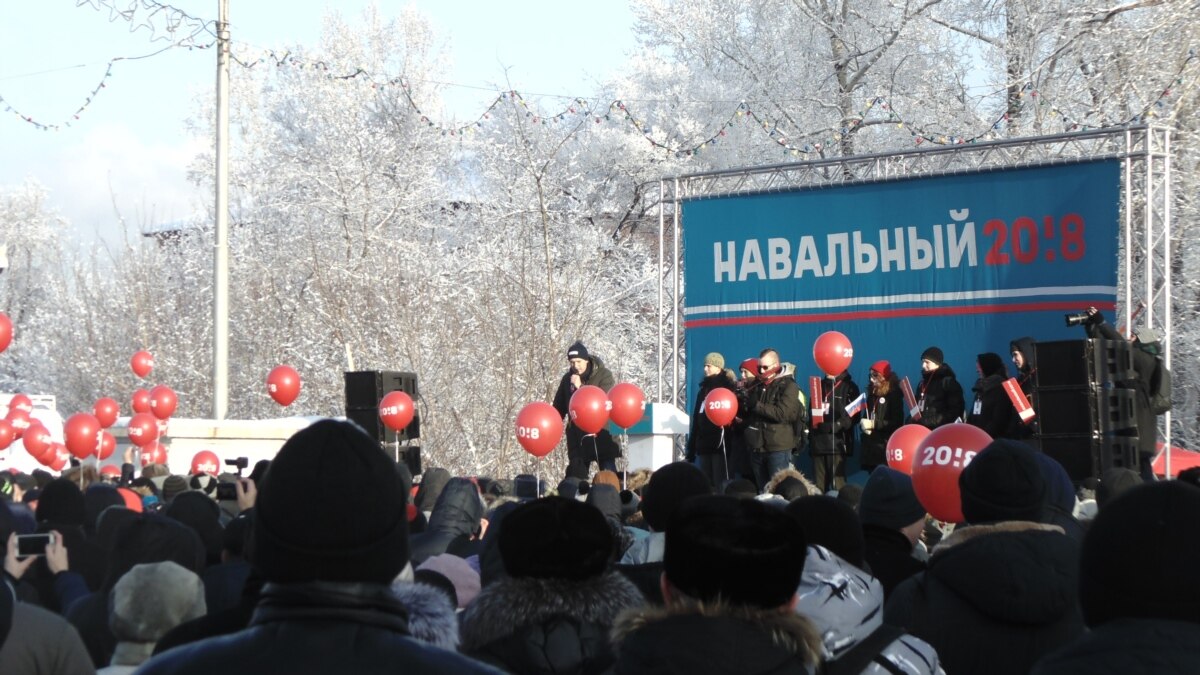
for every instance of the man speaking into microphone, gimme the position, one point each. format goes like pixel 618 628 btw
pixel 583 449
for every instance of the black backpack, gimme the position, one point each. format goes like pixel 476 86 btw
pixel 1160 387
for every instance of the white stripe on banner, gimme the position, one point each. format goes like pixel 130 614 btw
pixel 900 299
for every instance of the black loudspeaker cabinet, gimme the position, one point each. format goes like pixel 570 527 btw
pixel 1084 410
pixel 1080 363
pixel 1086 456
pixel 366 388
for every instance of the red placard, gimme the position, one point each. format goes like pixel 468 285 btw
pixel 1024 409
pixel 909 398
pixel 816 399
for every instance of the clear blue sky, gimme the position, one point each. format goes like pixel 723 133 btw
pixel 130 146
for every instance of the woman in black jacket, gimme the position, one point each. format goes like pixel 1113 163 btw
pixel 884 414
pixel 992 410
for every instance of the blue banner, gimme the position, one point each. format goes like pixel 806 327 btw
pixel 966 263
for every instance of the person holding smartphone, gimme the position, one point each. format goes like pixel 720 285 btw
pixel 32 639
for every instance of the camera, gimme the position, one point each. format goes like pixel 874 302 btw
pixel 227 492
pixel 1082 319
pixel 33 544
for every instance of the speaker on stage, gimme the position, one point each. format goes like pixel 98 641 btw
pixel 1086 456
pixel 366 388
pixel 1080 363
pixel 1084 411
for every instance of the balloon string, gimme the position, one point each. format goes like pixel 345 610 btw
pixel 724 453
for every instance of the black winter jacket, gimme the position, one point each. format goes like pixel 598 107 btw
pixel 995 598
pixel 545 626
pixel 316 628
pixel 940 397
pixel 835 434
pixel 714 639
pixel 455 519
pixel 596 375
pixel 773 414
pixel 1129 647
pixel 887 412
pixel 705 437
pixel 991 409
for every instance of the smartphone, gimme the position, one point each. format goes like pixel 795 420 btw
pixel 33 544
pixel 227 492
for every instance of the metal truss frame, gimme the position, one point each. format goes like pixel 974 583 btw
pixel 1144 294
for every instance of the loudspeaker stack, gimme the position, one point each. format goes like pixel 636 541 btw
pixel 1086 418
pixel 364 390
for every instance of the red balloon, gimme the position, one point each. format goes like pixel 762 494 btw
pixel 589 408
pixel 108 445
pixel 82 434
pixel 19 420
pixel 944 453
pixel 20 402
pixel 832 352
pixel 154 453
pixel 396 410
pixel 902 446
pixel 141 401
pixel 539 428
pixel 163 401
pixel 38 441
pixel 58 461
pixel 283 384
pixel 720 407
pixel 6 332
pixel 7 434
pixel 106 411
pixel 206 461
pixel 143 429
pixel 628 404
pixel 141 363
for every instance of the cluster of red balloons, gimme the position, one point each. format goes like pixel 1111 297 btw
pixel 539 427
pixel 935 459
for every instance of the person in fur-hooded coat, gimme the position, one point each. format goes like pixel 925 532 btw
pixel 714 621
pixel 553 609
pixel 1003 591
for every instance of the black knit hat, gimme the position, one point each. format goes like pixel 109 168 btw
pixel 888 500
pixel 667 489
pixel 577 351
pixel 1003 482
pixel 555 538
pixel 934 354
pixel 1150 527
pixel 990 363
pixel 330 508
pixel 61 503
pixel 829 522
pixel 736 550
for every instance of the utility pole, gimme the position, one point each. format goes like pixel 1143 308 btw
pixel 221 240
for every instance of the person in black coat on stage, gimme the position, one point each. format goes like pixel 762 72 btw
pixel 1024 359
pixel 991 410
pixel 832 440
pixel 940 396
pixel 583 449
pixel 706 441
pixel 884 414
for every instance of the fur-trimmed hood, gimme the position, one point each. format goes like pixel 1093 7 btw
pixel 1017 572
pixel 431 616
pixel 698 637
pixel 784 474
pixel 510 605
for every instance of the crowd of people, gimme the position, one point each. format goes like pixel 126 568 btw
pixel 332 561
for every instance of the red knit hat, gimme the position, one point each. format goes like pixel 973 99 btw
pixel 883 368
pixel 750 364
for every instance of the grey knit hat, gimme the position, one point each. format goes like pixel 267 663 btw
pixel 151 599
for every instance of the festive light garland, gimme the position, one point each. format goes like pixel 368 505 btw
pixel 173 18
pixel 580 107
